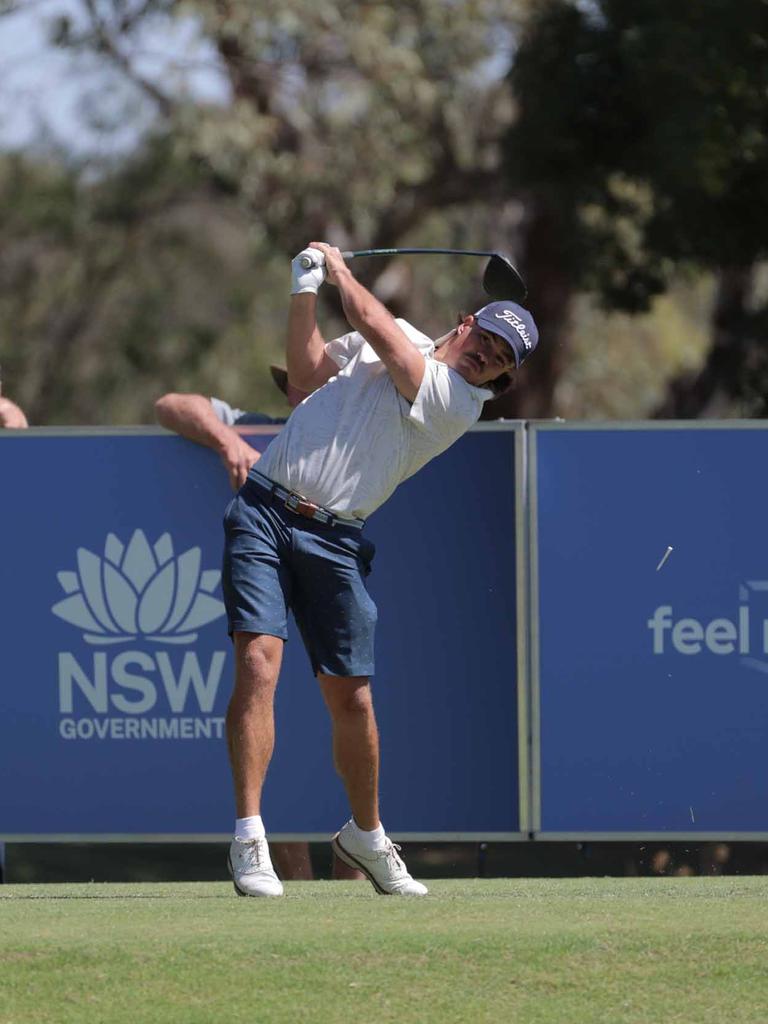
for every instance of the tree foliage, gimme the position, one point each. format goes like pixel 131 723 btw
pixel 356 119
pixel 606 146
pixel 353 122
pixel 643 133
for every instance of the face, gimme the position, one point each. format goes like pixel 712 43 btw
pixel 478 355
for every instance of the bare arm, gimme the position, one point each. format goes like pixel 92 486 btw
pixel 11 415
pixel 309 367
pixel 404 363
pixel 193 417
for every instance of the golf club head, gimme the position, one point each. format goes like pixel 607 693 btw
pixel 280 377
pixel 502 281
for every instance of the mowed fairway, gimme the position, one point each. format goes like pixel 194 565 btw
pixel 612 950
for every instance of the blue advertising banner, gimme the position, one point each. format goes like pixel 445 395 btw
pixel 650 609
pixel 116 667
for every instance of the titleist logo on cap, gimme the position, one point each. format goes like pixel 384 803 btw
pixel 514 321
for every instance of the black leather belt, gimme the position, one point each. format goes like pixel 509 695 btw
pixel 302 506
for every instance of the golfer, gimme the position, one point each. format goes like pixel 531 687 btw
pixel 382 401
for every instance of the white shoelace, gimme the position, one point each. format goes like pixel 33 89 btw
pixel 395 865
pixel 255 855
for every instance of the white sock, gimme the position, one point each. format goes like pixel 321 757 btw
pixel 373 840
pixel 250 828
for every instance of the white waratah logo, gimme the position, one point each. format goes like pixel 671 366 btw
pixel 139 591
pixel 514 321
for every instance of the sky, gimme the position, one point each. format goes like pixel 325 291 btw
pixel 58 99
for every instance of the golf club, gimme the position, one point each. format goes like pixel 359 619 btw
pixel 500 281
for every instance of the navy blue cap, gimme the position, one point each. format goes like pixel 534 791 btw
pixel 514 324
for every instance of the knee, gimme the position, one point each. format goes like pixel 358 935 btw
pixel 258 652
pixel 347 700
pixel 257 668
pixel 257 665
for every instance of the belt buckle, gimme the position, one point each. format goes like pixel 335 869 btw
pixel 300 505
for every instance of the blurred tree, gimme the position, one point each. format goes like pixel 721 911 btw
pixel 351 121
pixel 641 143
pixel 627 140
pixel 347 120
pixel 113 290
pixel 705 153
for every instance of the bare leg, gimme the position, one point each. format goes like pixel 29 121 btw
pixel 344 873
pixel 355 743
pixel 292 861
pixel 250 716
pixel 356 753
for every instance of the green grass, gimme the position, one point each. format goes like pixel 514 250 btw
pixel 525 951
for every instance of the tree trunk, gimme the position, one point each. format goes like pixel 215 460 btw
pixel 723 374
pixel 549 298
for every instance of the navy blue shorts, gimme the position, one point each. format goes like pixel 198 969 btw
pixel 276 560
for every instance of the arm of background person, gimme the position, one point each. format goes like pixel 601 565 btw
pixel 309 366
pixel 11 415
pixel 193 417
pixel 404 363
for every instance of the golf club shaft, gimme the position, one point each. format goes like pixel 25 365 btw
pixel 307 261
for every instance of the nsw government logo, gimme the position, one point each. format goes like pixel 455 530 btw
pixel 144 606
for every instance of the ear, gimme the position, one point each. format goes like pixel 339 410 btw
pixel 465 324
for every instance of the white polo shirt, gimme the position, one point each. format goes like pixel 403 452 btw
pixel 351 442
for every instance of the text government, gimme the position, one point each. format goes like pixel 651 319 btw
pixel 178 728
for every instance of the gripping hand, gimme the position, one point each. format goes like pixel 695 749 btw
pixel 307 279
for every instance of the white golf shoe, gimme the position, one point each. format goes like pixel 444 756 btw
pixel 384 868
pixel 251 868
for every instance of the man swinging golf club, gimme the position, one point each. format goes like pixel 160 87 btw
pixel 382 401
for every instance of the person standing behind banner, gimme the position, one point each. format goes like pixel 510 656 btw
pixel 210 422
pixel 11 415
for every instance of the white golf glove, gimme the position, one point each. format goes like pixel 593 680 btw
pixel 307 279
